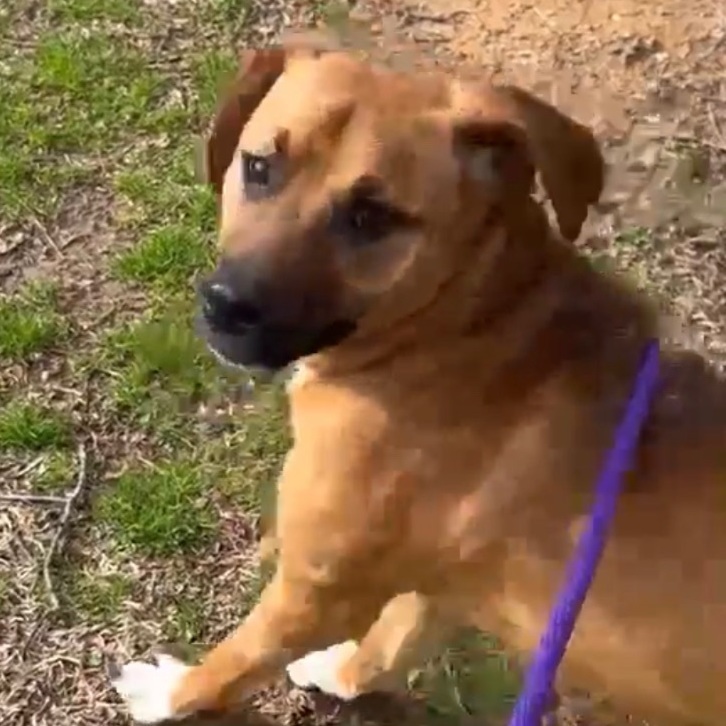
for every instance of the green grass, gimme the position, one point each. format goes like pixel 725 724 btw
pixel 30 322
pixel 56 473
pixel 211 72
pixel 84 11
pixel 167 259
pixel 334 13
pixel 187 621
pixel 159 367
pixel 175 218
pixel 66 102
pixel 100 85
pixel 249 457
pixel 230 14
pixel 634 237
pixel 98 598
pixel 5 589
pixel 473 677
pixel 27 427
pixel 161 511
pixel 175 197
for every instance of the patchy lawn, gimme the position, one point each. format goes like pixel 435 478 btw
pixel 108 399
pixel 133 470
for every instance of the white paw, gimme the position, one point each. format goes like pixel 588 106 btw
pixel 320 668
pixel 147 688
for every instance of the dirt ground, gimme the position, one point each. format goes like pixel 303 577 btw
pixel 125 520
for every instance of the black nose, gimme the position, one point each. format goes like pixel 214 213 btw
pixel 226 310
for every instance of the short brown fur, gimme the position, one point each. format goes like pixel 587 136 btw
pixel 444 455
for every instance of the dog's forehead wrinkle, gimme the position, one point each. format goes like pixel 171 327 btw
pixel 297 108
pixel 336 79
pixel 413 164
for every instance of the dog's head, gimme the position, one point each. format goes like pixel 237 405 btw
pixel 349 195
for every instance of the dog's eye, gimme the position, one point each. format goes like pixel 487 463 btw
pixel 255 170
pixel 368 220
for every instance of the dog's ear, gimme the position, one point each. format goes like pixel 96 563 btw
pixel 504 133
pixel 258 71
pixel 496 155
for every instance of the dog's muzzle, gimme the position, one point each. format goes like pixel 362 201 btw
pixel 246 328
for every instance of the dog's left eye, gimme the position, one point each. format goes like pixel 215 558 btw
pixel 255 171
pixel 367 220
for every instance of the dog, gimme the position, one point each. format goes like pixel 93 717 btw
pixel 460 372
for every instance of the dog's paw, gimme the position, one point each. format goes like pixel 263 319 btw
pixel 147 688
pixel 320 669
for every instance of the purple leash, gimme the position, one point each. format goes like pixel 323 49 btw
pixel 534 698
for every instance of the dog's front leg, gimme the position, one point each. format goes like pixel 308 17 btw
pixel 293 617
pixel 409 627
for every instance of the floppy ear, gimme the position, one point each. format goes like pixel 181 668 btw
pixel 510 132
pixel 495 154
pixel 259 69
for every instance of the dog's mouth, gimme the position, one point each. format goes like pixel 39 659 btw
pixel 268 349
pixel 228 362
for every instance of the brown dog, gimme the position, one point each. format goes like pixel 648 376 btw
pixel 462 371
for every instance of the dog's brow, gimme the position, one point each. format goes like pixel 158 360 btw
pixel 368 184
pixel 372 187
pixel 275 145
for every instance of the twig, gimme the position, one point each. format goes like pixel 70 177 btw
pixel 32 636
pixel 45 235
pixel 32 499
pixel 34 464
pixel 450 671
pixel 716 128
pixel 691 139
pixel 56 544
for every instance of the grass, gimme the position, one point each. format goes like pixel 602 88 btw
pixel 98 597
pixel 55 473
pixel 187 621
pixel 117 11
pixel 257 449
pixel 210 72
pixel 333 12
pixel 471 677
pixel 27 427
pixel 159 510
pixel 4 590
pixel 69 99
pixel 30 322
pixel 634 237
pixel 159 368
pixel 176 199
pixel 168 258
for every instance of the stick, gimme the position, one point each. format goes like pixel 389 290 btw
pixel 34 464
pixel 56 544
pixel 45 235
pixel 31 499
pixel 716 128
pixel 689 138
